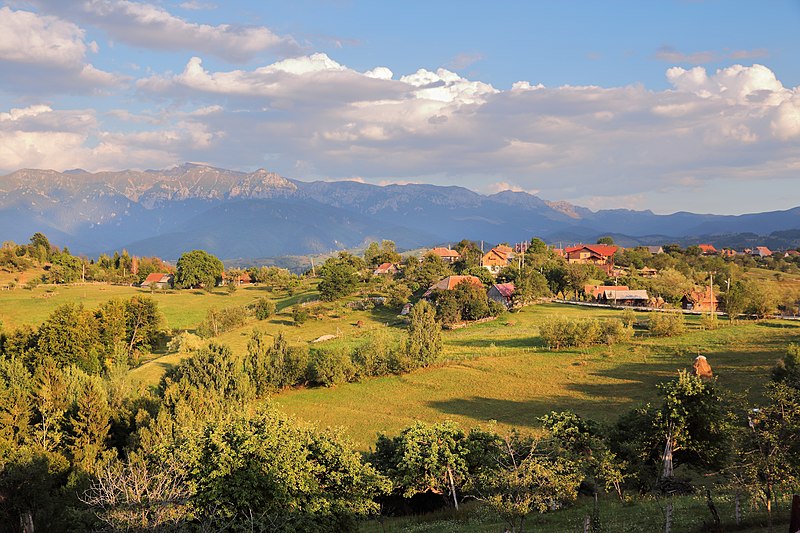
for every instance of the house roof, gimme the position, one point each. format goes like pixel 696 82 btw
pixel 596 290
pixel 707 248
pixel 605 250
pixel 504 249
pixel 625 295
pixel 156 277
pixel 384 268
pixel 505 289
pixel 445 252
pixel 495 257
pixel 763 250
pixel 655 249
pixel 449 283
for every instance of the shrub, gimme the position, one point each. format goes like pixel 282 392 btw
pixel 185 342
pixel 299 315
pixel 615 331
pixel 564 332
pixel 628 318
pixel 218 321
pixel 374 356
pixel 263 308
pixel 331 366
pixel 666 324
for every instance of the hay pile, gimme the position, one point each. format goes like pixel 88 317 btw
pixel 701 368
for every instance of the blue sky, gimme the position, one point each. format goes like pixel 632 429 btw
pixel 669 106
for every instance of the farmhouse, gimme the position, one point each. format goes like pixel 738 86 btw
pixel 386 269
pixel 501 292
pixel 449 283
pixel 494 260
pixel 707 249
pixel 624 297
pixel 762 251
pixel 446 254
pixel 791 253
pixel 596 290
pixel 654 249
pixel 158 280
pixel 700 300
pixel 598 254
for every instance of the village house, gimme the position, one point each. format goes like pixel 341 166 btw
pixel 791 253
pixel 700 299
pixel 386 269
pixel 729 252
pixel 494 260
pixel 654 249
pixel 624 297
pixel 596 290
pixel 598 254
pixel 446 254
pixel 762 251
pixel 449 283
pixel 707 249
pixel 505 249
pixel 158 280
pixel 501 293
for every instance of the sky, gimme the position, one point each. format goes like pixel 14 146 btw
pixel 662 105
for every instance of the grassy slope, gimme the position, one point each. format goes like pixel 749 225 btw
pixel 501 371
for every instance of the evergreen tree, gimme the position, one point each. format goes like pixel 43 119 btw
pixel 424 343
pixel 90 424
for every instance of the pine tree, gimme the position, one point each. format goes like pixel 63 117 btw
pixel 90 424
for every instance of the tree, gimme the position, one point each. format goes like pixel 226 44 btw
pixel 735 299
pixel 527 480
pixel 40 247
pixel 424 343
pixel 537 246
pixel 606 240
pixel 424 458
pixel 274 365
pixel 70 336
pixel 385 252
pixel 198 268
pixel 90 424
pixel 529 285
pixel 339 278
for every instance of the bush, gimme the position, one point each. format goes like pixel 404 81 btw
pixel 666 324
pixel 564 332
pixel 263 308
pixel 299 315
pixel 496 308
pixel 218 321
pixel 628 318
pixel 185 342
pixel 373 357
pixel 331 366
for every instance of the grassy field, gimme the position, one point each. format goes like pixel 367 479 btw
pixel 497 372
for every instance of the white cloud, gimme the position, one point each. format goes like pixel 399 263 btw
pixel 151 26
pixel 45 54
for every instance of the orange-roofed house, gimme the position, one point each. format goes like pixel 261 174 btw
pixel 707 249
pixel 158 280
pixel 450 282
pixel 385 269
pixel 494 260
pixel 446 254
pixel 598 254
pixel 596 290
pixel 762 251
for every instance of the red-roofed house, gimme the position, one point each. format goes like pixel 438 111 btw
pixel 446 254
pixel 242 279
pixel 385 268
pixel 598 254
pixel 158 280
pixel 707 249
pixel 762 251
pixel 449 283
pixel 596 290
pixel 791 253
pixel 501 292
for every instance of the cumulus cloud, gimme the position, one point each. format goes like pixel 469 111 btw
pixel 311 117
pixel 44 54
pixel 151 26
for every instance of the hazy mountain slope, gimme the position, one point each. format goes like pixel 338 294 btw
pixel 260 214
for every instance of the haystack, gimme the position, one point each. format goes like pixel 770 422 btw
pixel 701 368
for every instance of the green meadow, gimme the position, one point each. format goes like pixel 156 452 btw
pixel 496 372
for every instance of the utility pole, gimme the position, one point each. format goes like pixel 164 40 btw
pixel 313 272
pixel 711 291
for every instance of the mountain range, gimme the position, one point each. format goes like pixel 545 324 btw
pixel 261 214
